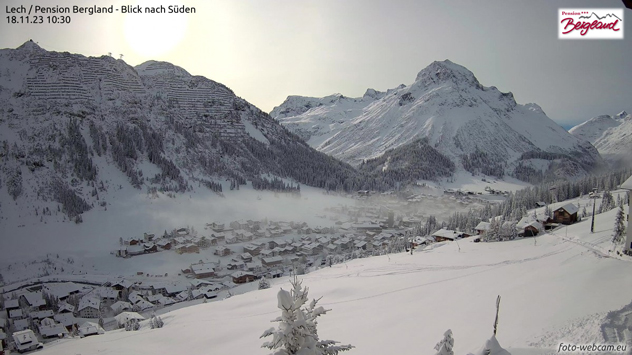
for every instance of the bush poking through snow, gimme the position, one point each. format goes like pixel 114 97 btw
pixel 297 333
pixel 444 347
pixel 263 283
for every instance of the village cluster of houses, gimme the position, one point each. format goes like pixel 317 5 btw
pixel 57 309
pixel 46 309
pixel 528 226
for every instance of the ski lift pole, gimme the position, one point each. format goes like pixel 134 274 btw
pixel 497 309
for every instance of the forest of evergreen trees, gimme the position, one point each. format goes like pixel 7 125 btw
pixel 517 203
pixel 407 164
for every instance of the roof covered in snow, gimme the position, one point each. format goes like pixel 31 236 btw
pixel 570 208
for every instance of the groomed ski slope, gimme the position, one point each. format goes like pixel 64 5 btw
pixel 402 304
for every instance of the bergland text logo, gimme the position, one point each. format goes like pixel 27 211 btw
pixel 590 24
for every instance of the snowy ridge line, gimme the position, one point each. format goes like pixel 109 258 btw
pixel 447 105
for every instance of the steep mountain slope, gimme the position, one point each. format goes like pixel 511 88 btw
pixel 70 126
pixel 611 135
pixel 473 125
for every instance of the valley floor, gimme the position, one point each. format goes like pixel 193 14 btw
pixel 555 289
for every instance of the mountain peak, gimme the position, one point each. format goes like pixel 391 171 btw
pixel 153 67
pixel 30 45
pixel 443 71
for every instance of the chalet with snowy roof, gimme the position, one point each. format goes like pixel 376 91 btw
pixel 67 319
pixel 360 245
pixel 566 214
pixel 241 277
pixel 246 257
pixel 134 250
pixel 33 301
pixel 48 328
pixel 528 227
pixel 15 314
pixel 121 306
pixel 188 248
pixel 203 270
pixel 205 242
pixel 182 232
pixel 39 315
pixel 148 237
pixel 164 244
pixel 142 305
pixel 107 293
pixel 222 251
pixel 122 284
pixel 132 241
pixel 135 297
pixel 65 308
pixel 271 262
pixel 171 290
pixel 444 235
pixel 219 236
pixel 89 307
pixel 252 249
pixel 125 317
pixel 236 265
pixel 215 226
pixel 20 324
pixel 419 240
pixel 61 290
pixel 89 328
pixel 11 305
pixel 482 228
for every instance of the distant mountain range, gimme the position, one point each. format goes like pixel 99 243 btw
pixel 611 135
pixel 478 128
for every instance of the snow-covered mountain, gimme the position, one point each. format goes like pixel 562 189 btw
pixel 74 127
pixel 611 135
pixel 477 127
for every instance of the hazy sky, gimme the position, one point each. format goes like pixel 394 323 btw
pixel 266 50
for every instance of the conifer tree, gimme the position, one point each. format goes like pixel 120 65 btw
pixel 619 226
pixel 297 333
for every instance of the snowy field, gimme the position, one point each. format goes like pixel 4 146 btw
pixel 554 289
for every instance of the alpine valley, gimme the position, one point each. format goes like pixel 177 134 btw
pixel 446 113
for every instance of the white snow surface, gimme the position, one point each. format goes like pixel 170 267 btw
pixel 446 103
pixel 550 287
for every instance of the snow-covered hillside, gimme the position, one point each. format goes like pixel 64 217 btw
pixel 556 290
pixel 473 125
pixel 611 135
pixel 74 128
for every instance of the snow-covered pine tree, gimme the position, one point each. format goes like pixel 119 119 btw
pixel 444 347
pixel 152 323
pixel 263 283
pixel 159 322
pixel 619 226
pixel 297 333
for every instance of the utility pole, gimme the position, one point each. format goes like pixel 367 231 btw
pixel 594 198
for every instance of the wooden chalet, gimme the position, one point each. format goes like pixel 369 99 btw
pixel 242 277
pixel 566 214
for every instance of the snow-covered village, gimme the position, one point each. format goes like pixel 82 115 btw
pixel 186 182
